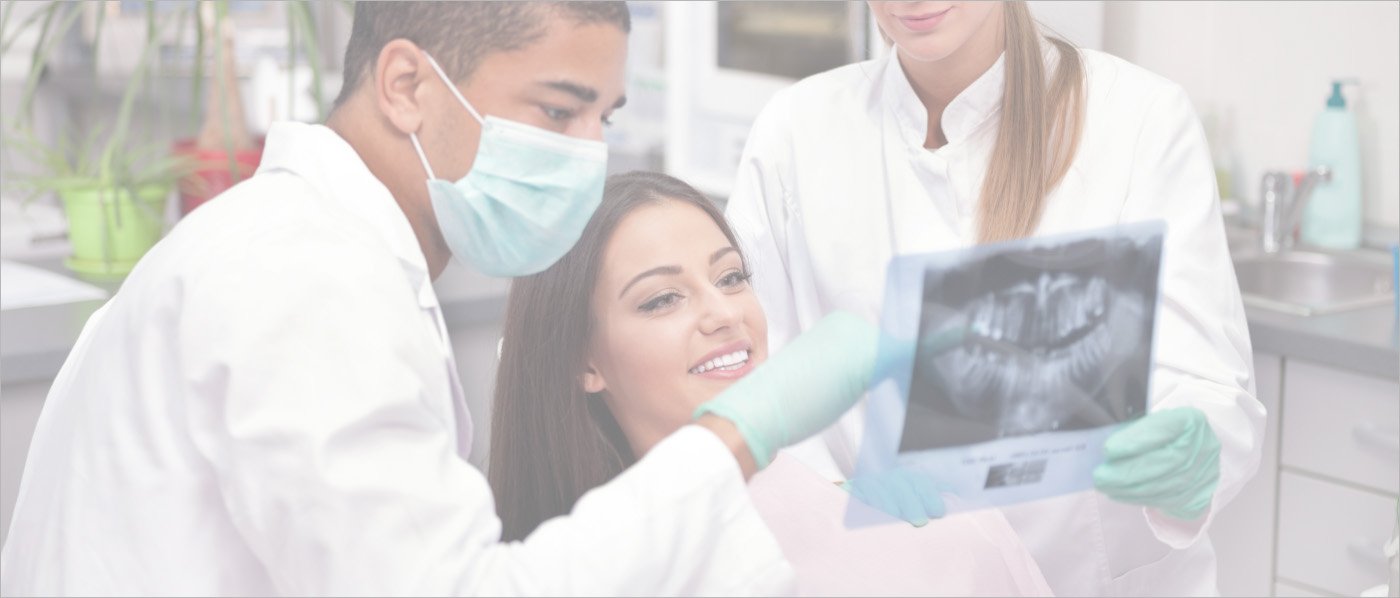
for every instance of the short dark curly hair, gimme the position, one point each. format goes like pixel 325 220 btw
pixel 459 34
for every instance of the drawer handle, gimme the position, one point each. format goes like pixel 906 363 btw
pixel 1369 552
pixel 1382 438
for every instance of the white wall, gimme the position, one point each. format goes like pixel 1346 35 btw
pixel 1078 21
pixel 1268 65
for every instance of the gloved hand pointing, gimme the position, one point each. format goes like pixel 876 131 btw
pixel 802 389
pixel 1169 459
pixel 904 493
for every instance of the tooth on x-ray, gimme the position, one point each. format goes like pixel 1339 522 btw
pixel 1056 338
pixel 1026 356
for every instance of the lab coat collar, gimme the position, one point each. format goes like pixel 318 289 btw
pixel 963 115
pixel 320 156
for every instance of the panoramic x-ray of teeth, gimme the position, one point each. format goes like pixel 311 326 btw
pixel 1033 339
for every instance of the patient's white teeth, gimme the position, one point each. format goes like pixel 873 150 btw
pixel 732 361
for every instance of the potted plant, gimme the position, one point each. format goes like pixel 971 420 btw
pixel 112 183
pixel 114 200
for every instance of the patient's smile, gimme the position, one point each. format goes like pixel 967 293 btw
pixel 729 362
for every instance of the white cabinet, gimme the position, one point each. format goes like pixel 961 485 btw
pixel 1342 425
pixel 1243 532
pixel 1339 479
pixel 1313 520
pixel 1330 535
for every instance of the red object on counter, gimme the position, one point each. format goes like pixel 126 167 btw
pixel 212 176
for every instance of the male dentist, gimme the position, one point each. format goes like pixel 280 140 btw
pixel 269 404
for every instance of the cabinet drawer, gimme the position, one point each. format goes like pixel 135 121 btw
pixel 1331 536
pixel 1342 425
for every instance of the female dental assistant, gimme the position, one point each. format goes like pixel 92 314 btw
pixel 973 129
pixel 269 405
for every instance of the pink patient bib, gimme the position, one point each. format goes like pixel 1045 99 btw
pixel 969 554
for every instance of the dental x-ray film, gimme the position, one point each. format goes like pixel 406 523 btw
pixel 1011 363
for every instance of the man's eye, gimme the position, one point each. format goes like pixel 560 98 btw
pixel 558 114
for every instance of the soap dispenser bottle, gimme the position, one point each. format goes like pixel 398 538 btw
pixel 1332 218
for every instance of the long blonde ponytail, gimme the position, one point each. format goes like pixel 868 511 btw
pixel 1040 125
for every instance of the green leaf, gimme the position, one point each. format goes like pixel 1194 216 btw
pixel 103 155
pixel 48 36
pixel 123 120
pixel 5 17
pixel 291 59
pixel 197 98
pixel 97 37
pixel 7 38
pixel 220 14
pixel 307 24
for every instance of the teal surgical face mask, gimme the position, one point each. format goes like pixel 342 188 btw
pixel 526 199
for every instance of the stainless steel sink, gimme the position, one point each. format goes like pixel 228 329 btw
pixel 1309 283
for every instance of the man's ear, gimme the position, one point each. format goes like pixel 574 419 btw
pixel 593 381
pixel 399 77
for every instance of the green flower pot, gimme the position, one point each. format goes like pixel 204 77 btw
pixel 109 230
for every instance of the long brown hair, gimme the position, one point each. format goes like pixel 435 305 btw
pixel 1040 125
pixel 550 441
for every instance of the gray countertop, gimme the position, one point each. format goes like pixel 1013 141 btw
pixel 1366 341
pixel 35 341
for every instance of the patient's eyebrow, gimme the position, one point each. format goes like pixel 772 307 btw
pixel 657 271
pixel 714 257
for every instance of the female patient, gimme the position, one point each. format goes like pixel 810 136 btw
pixel 649 316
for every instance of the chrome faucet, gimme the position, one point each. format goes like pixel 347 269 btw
pixel 1281 206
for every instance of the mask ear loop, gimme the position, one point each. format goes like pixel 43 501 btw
pixel 450 87
pixel 421 156
pixel 453 88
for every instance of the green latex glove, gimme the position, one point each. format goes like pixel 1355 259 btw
pixel 1169 460
pixel 801 389
pixel 903 493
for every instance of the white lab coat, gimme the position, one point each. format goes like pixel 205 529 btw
pixel 269 406
pixel 835 179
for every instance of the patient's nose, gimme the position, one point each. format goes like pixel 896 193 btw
pixel 718 312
